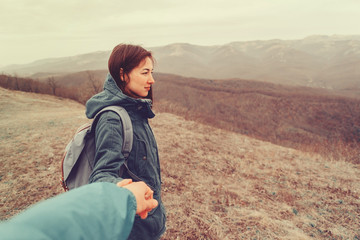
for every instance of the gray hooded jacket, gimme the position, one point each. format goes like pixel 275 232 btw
pixel 143 159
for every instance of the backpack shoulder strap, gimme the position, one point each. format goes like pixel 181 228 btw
pixel 127 127
pixel 127 136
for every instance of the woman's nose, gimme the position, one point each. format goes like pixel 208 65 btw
pixel 151 79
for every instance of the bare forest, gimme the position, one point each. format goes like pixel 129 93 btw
pixel 309 119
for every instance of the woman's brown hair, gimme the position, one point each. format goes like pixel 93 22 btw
pixel 127 57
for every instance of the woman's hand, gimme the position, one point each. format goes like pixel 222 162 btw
pixel 143 195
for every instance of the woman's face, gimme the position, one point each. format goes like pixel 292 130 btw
pixel 140 79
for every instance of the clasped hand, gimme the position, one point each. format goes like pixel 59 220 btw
pixel 143 195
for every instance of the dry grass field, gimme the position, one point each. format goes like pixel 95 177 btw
pixel 33 131
pixel 217 184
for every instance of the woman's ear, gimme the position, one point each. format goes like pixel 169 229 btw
pixel 122 74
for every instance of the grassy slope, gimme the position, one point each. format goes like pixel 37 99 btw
pixel 33 132
pixel 217 184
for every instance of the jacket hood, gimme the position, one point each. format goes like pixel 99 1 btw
pixel 112 95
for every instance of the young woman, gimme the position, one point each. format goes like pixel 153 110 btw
pixel 129 84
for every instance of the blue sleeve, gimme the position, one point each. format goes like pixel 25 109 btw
pixel 94 211
pixel 108 155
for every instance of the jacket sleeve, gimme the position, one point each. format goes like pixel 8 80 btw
pixel 94 211
pixel 108 155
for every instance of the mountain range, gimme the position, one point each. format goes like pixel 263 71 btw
pixel 331 62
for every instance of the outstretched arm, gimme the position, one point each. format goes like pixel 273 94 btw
pixel 94 211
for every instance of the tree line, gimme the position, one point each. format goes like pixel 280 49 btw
pixel 52 86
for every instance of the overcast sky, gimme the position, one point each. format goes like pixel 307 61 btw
pixel 35 29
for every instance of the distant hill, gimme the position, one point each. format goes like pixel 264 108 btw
pixel 300 117
pixel 317 61
pixel 60 66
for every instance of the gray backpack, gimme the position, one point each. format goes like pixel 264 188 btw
pixel 78 160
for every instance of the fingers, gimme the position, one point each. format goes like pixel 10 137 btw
pixel 150 205
pixel 149 194
pixel 143 215
pixel 143 195
pixel 124 182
